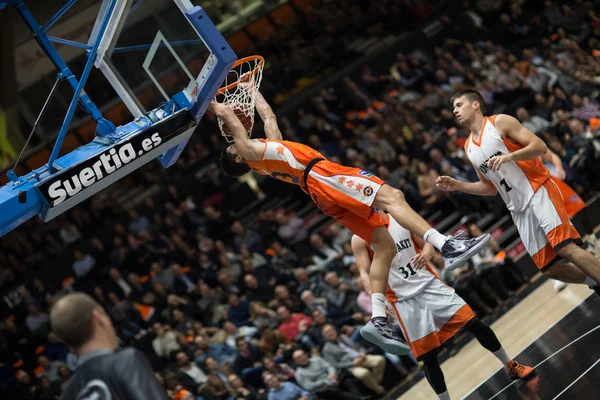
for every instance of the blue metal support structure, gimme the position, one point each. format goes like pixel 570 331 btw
pixel 69 42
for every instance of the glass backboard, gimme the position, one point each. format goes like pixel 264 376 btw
pixel 155 49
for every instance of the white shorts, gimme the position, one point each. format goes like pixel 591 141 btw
pixel 432 317
pixel 544 226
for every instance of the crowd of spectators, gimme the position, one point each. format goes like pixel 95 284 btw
pixel 272 310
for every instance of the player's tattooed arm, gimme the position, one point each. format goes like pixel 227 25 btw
pixel 363 261
pixel 511 129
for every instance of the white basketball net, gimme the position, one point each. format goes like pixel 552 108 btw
pixel 239 92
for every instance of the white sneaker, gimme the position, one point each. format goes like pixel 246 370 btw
pixel 558 285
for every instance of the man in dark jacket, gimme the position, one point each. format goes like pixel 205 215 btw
pixel 102 373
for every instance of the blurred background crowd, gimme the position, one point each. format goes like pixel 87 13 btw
pixel 234 302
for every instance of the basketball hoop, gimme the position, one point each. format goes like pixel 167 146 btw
pixel 239 92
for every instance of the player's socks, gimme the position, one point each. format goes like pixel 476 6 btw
pixel 502 356
pixel 444 396
pixel 378 305
pixel 518 371
pixel 435 238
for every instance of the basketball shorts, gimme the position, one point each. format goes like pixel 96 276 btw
pixel 346 194
pixel 573 202
pixel 432 317
pixel 544 226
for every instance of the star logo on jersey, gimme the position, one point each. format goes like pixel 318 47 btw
pixel 341 180
pixel 350 184
pixel 359 187
pixel 368 191
pixel 280 150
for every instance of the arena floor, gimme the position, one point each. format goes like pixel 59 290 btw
pixel 557 333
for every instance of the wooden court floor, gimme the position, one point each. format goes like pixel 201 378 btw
pixel 516 330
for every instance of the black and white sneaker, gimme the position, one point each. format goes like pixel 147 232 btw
pixel 458 250
pixel 379 331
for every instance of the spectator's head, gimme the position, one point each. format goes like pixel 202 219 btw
pixel 301 275
pixel 233 300
pixel 81 323
pixel 307 297
pixel 318 317
pixel 182 359
pixel 540 100
pixel 43 361
pixel 271 380
pixel 133 279
pixel 422 168
pixel 177 270
pixel 77 254
pixel 329 333
pixel 232 163
pixel 316 241
pixel 64 372
pixel 33 309
pixel 300 358
pixel 475 230
pixel 332 279
pixel 251 282
pixel 283 313
pixel 522 114
pixel 383 172
pixel 113 298
pixel 224 279
pixel 235 382
pixel 281 293
pixel 201 342
pixel 576 100
pixel 237 228
pixel 230 328
pixel 242 345
pixel 436 156
pixel 467 104
pixel 211 364
pixel 114 274
pixel 577 127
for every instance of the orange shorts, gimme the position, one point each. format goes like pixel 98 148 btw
pixel 573 201
pixel 544 226
pixel 346 194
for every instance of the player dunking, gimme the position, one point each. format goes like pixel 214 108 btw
pixel 429 312
pixel 506 158
pixel 349 195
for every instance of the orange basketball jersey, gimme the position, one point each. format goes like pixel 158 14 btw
pixel 573 201
pixel 285 160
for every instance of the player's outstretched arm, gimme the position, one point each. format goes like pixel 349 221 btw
pixel 246 147
pixel 267 115
pixel 532 146
pixel 363 261
pixel 482 188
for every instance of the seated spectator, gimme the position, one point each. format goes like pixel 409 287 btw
pixel 138 289
pixel 190 375
pixel 165 342
pixel 83 264
pixel 228 285
pixel 343 354
pixel 48 369
pixel 231 332
pixel 118 284
pixel 291 228
pixel 283 391
pixel 163 275
pixel 271 341
pixel 239 310
pixel 318 376
pixel 262 317
pixel 339 292
pixel 305 282
pixel 36 321
pixel 324 255
pixel 245 237
pixel 311 303
pixel 281 370
pixel 138 223
pixel 282 259
pixel 239 391
pixel 294 326
pixel 285 298
pixel 211 366
pixel 339 234
pixel 185 282
pixel 535 124
pixel 258 291
pixel 220 352
pixel 247 362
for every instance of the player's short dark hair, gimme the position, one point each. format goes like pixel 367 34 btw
pixel 472 95
pixel 230 167
pixel 71 319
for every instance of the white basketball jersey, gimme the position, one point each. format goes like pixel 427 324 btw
pixel 516 181
pixel 404 281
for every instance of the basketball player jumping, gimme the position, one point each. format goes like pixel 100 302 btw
pixel 349 195
pixel 429 312
pixel 506 158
